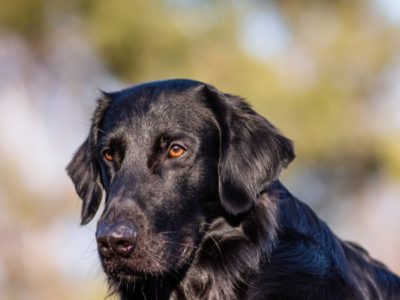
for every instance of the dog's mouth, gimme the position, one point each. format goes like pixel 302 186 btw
pixel 151 259
pixel 142 268
pixel 125 270
pixel 135 270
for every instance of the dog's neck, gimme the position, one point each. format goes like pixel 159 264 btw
pixel 232 270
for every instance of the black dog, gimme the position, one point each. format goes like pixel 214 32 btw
pixel 193 207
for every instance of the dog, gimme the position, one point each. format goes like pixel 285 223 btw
pixel 194 208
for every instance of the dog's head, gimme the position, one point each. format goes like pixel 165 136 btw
pixel 169 157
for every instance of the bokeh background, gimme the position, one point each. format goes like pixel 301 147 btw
pixel 327 73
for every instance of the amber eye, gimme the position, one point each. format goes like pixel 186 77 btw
pixel 107 155
pixel 176 151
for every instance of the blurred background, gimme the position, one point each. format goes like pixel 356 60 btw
pixel 327 73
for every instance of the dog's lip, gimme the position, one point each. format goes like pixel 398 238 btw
pixel 128 274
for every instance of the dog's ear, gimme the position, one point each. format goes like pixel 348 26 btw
pixel 252 151
pixel 83 168
pixel 85 176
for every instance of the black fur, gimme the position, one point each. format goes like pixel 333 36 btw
pixel 215 223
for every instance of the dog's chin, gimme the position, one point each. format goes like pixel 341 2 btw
pixel 123 275
pixel 133 277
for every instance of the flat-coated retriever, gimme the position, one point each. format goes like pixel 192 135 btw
pixel 194 209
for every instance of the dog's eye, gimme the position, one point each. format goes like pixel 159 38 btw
pixel 176 151
pixel 107 155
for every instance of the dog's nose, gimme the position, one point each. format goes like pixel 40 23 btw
pixel 116 239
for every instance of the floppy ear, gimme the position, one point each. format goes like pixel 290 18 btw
pixel 252 152
pixel 85 176
pixel 83 168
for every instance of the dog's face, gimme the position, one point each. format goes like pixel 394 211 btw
pixel 170 157
pixel 157 155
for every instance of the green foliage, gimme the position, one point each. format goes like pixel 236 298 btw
pixel 134 36
pixel 24 17
pixel 321 108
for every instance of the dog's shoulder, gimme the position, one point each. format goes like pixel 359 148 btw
pixel 309 259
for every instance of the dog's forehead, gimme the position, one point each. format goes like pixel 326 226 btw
pixel 157 106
